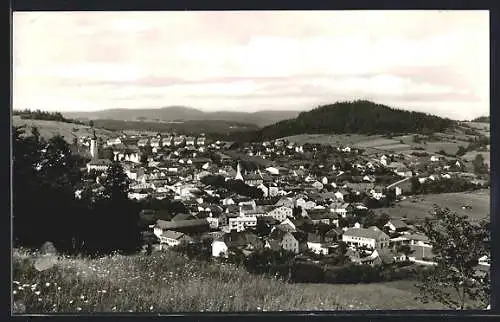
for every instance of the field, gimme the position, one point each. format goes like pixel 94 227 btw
pixel 48 129
pixel 484 128
pixel 377 143
pixel 478 200
pixel 168 282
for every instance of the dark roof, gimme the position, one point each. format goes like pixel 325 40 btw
pixel 317 214
pixel 241 239
pixel 233 208
pixel 166 225
pixel 100 162
pixel 181 216
pixel 313 238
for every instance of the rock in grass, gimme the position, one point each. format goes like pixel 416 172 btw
pixel 48 248
pixel 47 258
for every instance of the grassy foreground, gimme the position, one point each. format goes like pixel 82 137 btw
pixel 168 282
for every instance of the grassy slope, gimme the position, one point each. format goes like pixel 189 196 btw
pixel 449 142
pixel 168 282
pixel 69 131
pixel 478 200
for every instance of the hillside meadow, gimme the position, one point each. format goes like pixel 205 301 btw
pixel 418 207
pixel 68 131
pixel 169 282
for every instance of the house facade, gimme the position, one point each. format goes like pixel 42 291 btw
pixel 371 237
pixel 281 213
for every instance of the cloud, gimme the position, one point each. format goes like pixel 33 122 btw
pixel 251 60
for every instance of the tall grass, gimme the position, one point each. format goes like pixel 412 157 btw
pixel 163 282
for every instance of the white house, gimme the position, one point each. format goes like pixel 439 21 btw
pixel 171 238
pixel 317 248
pixel 143 142
pixel 98 165
pixel 240 223
pixel 434 158
pixel 339 195
pixel 317 185
pixel 114 141
pixel 281 213
pixel 371 237
pixel 190 140
pixel 219 249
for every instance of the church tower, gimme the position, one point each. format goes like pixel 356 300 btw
pixel 238 172
pixel 93 147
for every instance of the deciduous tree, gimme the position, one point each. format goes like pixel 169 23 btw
pixel 457 246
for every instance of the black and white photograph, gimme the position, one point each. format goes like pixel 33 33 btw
pixel 250 161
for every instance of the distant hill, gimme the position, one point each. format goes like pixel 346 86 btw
pixel 482 119
pixel 360 117
pixel 182 113
pixel 186 127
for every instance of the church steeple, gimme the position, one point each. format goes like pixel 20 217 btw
pixel 238 172
pixel 94 152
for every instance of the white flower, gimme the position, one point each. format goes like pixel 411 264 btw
pixel 78 308
pixel 14 292
pixel 58 288
pixel 71 302
pixel 104 291
pixel 151 308
pixel 120 290
pixel 82 296
pixel 47 284
pixel 37 292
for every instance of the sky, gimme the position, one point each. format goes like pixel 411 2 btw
pixel 431 61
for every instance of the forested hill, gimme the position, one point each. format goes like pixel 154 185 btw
pixel 361 117
pixel 482 119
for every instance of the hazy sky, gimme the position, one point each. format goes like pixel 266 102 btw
pixel 436 62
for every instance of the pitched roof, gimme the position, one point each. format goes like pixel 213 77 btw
pixel 170 225
pixel 100 162
pixel 398 223
pixel 182 216
pixel 371 232
pixel 172 234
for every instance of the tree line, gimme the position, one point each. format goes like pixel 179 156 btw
pixel 46 207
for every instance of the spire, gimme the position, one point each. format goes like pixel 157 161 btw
pixel 238 172
pixel 94 137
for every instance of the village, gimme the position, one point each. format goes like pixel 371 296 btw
pixel 311 199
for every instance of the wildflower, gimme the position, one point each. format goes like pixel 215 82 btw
pixel 58 288
pixel 114 308
pixel 20 288
pixel 71 302
pixel 86 301
pixel 14 292
pixel 104 291
pixel 16 282
pixel 120 290
pixel 37 292
pixel 78 308
pixel 151 308
pixel 82 297
pixel 47 284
